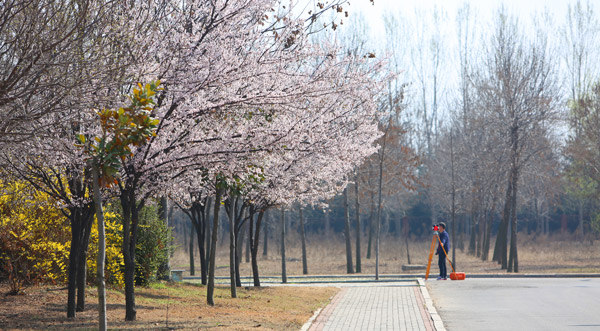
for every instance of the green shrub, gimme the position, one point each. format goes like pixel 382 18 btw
pixel 153 247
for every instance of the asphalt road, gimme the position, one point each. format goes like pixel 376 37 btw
pixel 518 304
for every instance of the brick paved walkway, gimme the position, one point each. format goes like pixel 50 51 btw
pixel 375 308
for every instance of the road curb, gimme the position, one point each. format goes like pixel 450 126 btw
pixel 435 317
pixel 396 277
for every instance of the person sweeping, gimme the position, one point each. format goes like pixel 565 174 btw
pixel 445 241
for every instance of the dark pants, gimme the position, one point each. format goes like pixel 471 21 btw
pixel 442 264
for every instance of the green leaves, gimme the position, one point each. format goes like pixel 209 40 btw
pixel 121 129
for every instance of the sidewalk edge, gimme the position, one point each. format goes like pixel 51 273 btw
pixel 435 317
pixel 310 321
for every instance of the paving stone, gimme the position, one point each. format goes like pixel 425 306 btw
pixel 375 308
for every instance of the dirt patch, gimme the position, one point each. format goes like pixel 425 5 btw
pixel 272 308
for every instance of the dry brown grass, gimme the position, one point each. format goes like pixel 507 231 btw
pixel 272 308
pixel 327 256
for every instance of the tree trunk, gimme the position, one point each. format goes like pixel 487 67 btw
pixel 538 219
pixel 379 198
pixel 73 263
pixel 205 241
pixel 88 219
pixel 248 242
pixel 407 250
pixel 102 326
pixel 580 215
pixel 283 271
pixel 164 214
pixel 371 228
pixel 210 288
pixel 473 236
pixel 349 267
pixel 513 261
pixel 327 222
pixel 480 233
pixel 405 233
pixel 186 246
pixel 240 236
pixel 254 243
pixel 232 249
pixel 203 266
pixel 303 240
pixel 130 226
pixel 266 235
pixel 489 221
pixel 198 215
pixel 191 250
pixel 358 227
pixel 500 251
pixel 81 219
pixel 201 236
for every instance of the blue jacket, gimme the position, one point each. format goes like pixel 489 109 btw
pixel 445 239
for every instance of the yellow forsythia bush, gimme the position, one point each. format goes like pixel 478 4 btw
pixel 34 237
pixel 115 265
pixel 35 240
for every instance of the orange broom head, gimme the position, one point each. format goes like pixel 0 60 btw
pixel 457 275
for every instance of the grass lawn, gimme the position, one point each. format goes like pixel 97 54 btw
pixel 266 308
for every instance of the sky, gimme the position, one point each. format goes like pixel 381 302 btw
pixel 523 8
pixel 404 11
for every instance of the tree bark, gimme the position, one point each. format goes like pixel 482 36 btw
pixel 210 288
pixel 81 219
pixel 232 247
pixel 266 240
pixel 513 261
pixel 73 262
pixel 201 234
pixel 500 248
pixel 283 271
pixel 580 215
pixel 485 249
pixel 349 267
pixel 303 239
pixel 82 264
pixel 248 242
pixel 371 228
pixel 480 233
pixel 101 249
pixel 358 227
pixel 378 224
pixel 240 236
pixel 130 231
pixel 164 214
pixel 191 250
pixel 205 241
pixel 407 250
pixel 254 243
pixel 473 236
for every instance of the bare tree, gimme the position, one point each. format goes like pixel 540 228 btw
pixel 517 84
pixel 580 37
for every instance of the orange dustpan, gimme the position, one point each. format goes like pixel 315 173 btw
pixel 457 275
